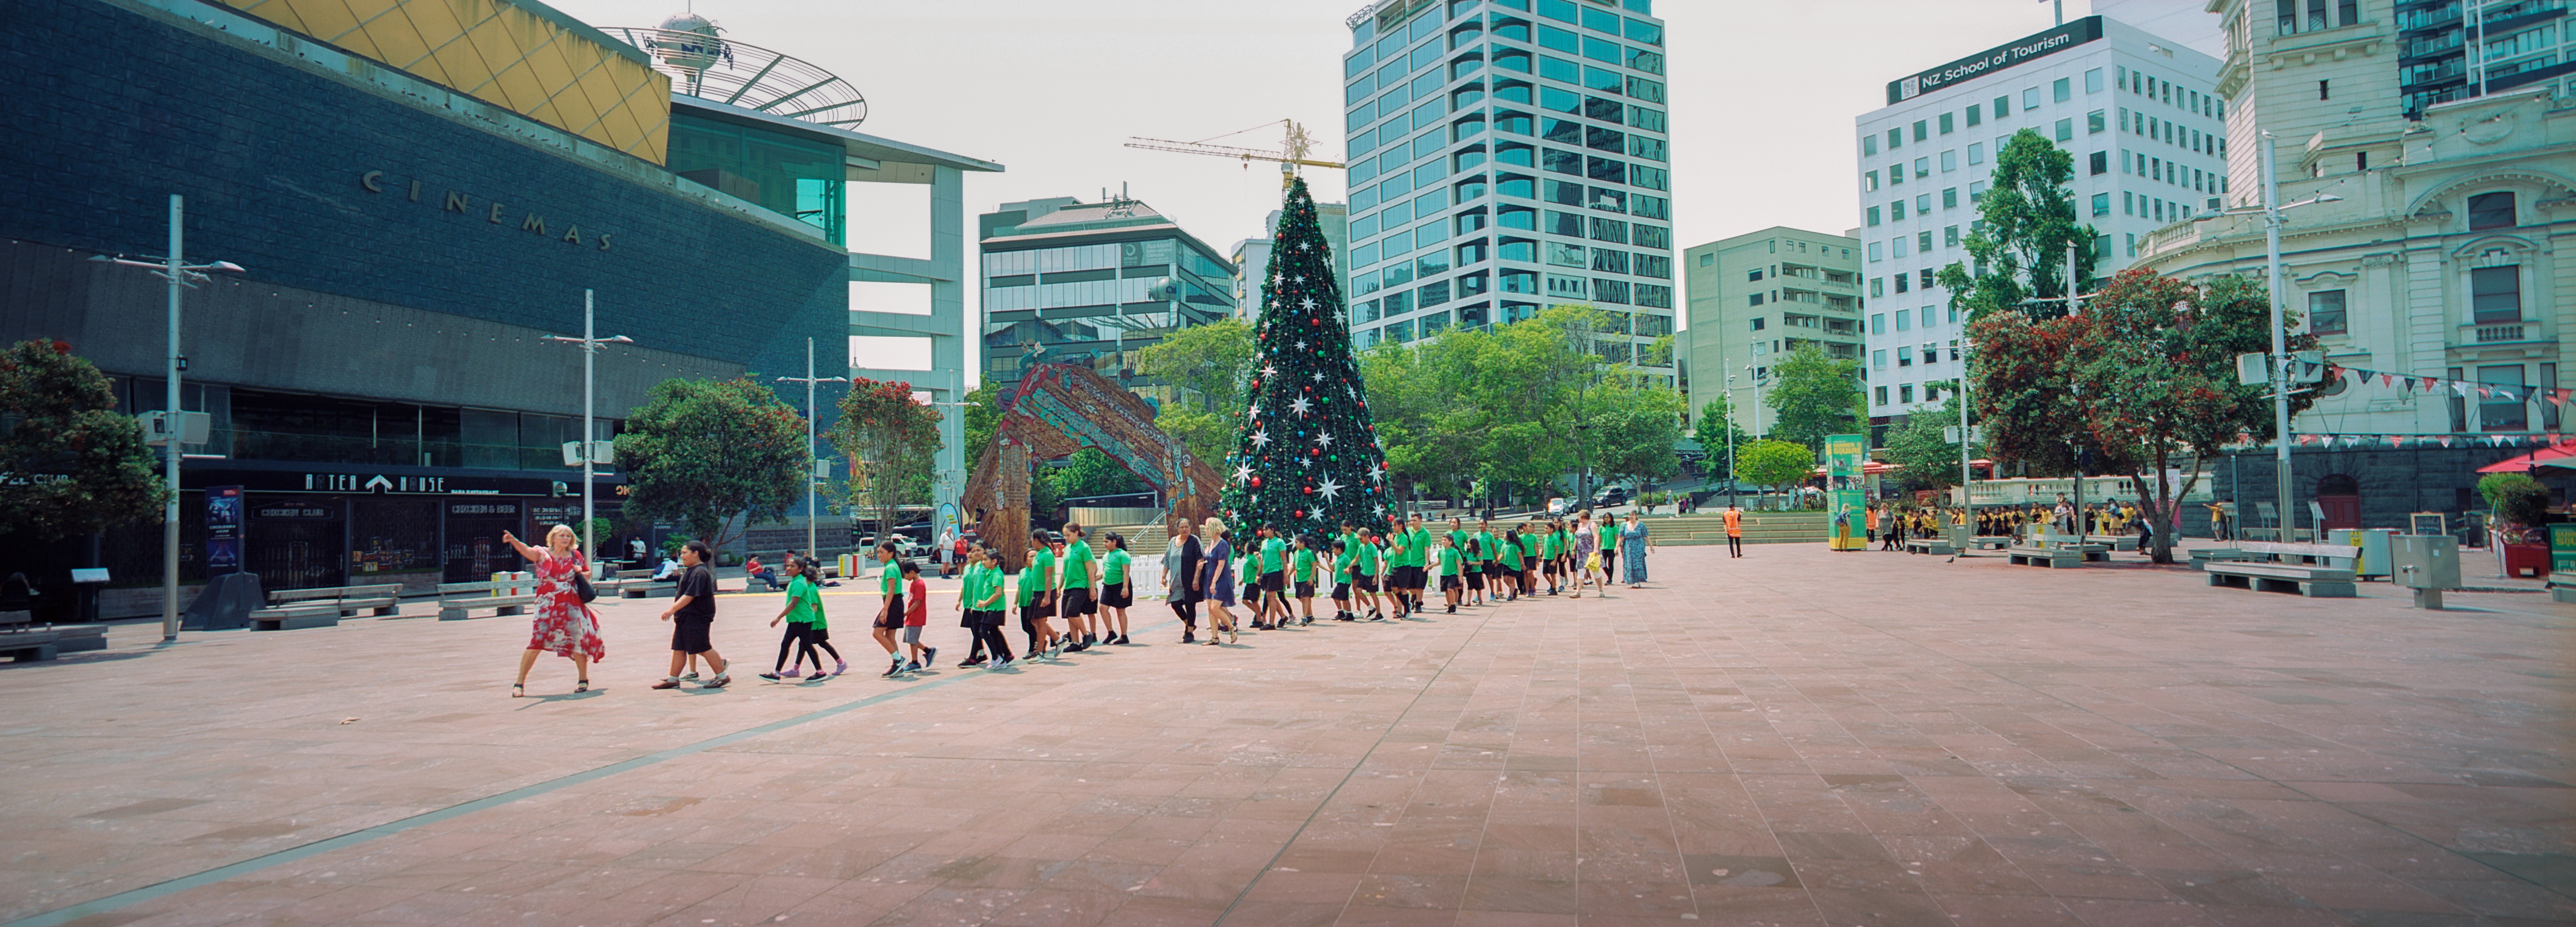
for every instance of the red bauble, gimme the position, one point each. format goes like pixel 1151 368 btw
pixel 1256 482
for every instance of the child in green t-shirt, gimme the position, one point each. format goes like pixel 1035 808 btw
pixel 1117 592
pixel 803 614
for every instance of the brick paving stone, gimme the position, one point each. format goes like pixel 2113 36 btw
pixel 1798 737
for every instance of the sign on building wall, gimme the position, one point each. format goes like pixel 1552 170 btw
pixel 2010 54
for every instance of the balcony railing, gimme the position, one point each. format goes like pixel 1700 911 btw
pixel 2495 334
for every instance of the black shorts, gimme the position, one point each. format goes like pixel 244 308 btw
pixel 1493 568
pixel 1341 592
pixel 1041 610
pixel 988 618
pixel 893 617
pixel 1119 594
pixel 1030 615
pixel 1450 582
pixel 1476 581
pixel 1274 581
pixel 1364 583
pixel 691 636
pixel 818 635
pixel 1408 577
pixel 1078 602
pixel 1305 590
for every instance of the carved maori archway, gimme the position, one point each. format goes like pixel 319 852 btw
pixel 1060 409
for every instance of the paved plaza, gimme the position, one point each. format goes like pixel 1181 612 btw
pixel 1795 738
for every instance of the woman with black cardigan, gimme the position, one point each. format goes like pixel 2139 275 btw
pixel 1181 582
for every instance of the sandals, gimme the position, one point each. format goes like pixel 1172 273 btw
pixel 518 690
pixel 581 686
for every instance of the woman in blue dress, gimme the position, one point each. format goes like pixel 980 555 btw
pixel 1217 581
pixel 1634 541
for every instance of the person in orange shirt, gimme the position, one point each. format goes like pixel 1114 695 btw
pixel 1734 531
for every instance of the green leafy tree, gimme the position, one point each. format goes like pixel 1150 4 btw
pixel 1090 472
pixel 983 419
pixel 889 439
pixel 1780 465
pixel 1634 425
pixel 2515 498
pixel 69 464
pixel 2017 248
pixel 1812 396
pixel 2142 382
pixel 1209 364
pixel 1923 447
pixel 700 452
pixel 1713 429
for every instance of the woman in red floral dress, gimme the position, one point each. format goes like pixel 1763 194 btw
pixel 564 624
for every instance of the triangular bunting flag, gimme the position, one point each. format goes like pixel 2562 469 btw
pixel 2387 379
pixel 2446 440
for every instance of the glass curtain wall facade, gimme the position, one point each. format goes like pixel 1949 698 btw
pixel 1090 284
pixel 2456 49
pixel 1508 155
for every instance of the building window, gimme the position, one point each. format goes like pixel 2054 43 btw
pixel 1975 111
pixel 1869 181
pixel 1874 254
pixel 1877 324
pixel 1949 237
pixel 2099 163
pixel 1903 279
pixel 1904 320
pixel 1707 257
pixel 2062 90
pixel 1873 215
pixel 2322 93
pixel 1877 286
pixel 2030 98
pixel 1919 131
pixel 1880 393
pixel 2325 312
pixel 1923 242
pixel 1977 152
pixel 1905 392
pixel 2495 294
pixel 1950 198
pixel 2093 81
pixel 1757 320
pixel 1905 358
pixel 1878 361
pixel 2066 130
pixel 1755 300
pixel 1869 144
pixel 1896 210
pixel 2490 211
pixel 2094 123
pixel 2497 412
pixel 1925 283
pixel 2101 201
pixel 1950 160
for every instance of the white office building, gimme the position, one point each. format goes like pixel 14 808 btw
pixel 1252 256
pixel 2138 113
pixel 1508 155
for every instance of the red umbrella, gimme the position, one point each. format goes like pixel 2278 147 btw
pixel 2556 455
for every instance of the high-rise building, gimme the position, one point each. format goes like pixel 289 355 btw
pixel 1252 255
pixel 2137 112
pixel 1070 282
pixel 1762 294
pixel 1508 155
pixel 2456 49
pixel 2435 278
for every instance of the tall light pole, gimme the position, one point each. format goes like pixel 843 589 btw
pixel 2280 367
pixel 809 379
pixel 179 274
pixel 1730 440
pixel 589 431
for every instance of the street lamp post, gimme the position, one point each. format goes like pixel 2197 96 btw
pixel 589 429
pixel 1730 440
pixel 2271 211
pixel 809 379
pixel 179 274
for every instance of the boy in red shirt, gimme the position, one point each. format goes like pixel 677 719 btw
pixel 916 615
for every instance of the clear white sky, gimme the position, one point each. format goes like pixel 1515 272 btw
pixel 1763 92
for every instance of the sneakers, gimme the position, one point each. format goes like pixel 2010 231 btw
pixel 896 666
pixel 722 680
pixel 929 656
pixel 1189 637
pixel 773 677
pixel 793 672
pixel 839 667
pixel 1452 609
pixel 691 677
pixel 1122 640
pixel 668 682
pixel 1310 619
pixel 912 667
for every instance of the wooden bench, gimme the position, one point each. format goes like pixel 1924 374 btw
pixel 295 617
pixel 49 641
pixel 2312 581
pixel 1937 547
pixel 350 600
pixel 506 597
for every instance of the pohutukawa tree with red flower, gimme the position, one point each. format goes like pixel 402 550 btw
pixel 1309 457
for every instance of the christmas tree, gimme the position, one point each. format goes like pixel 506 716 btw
pixel 1309 458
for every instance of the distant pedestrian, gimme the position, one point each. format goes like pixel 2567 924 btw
pixel 1217 577
pixel 564 624
pixel 1117 590
pixel 806 630
pixel 1181 590
pixel 1734 530
pixel 692 616
pixel 1634 541
pixel 916 616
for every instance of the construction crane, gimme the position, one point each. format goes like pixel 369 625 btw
pixel 1290 155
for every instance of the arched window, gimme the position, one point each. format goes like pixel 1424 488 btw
pixel 2491 211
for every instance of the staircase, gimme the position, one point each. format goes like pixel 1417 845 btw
pixel 1759 528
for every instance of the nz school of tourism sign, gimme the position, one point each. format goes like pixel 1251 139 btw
pixel 2018 51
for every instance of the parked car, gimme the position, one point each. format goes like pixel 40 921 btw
pixel 1556 507
pixel 1615 495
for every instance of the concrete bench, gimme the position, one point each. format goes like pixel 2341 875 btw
pixel 2311 581
pixel 2562 587
pixel 295 617
pixel 46 643
pixel 2045 556
pixel 1990 541
pixel 2331 555
pixel 2124 543
pixel 349 600
pixel 1934 546
pixel 457 601
pixel 639 584
pixel 2202 557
